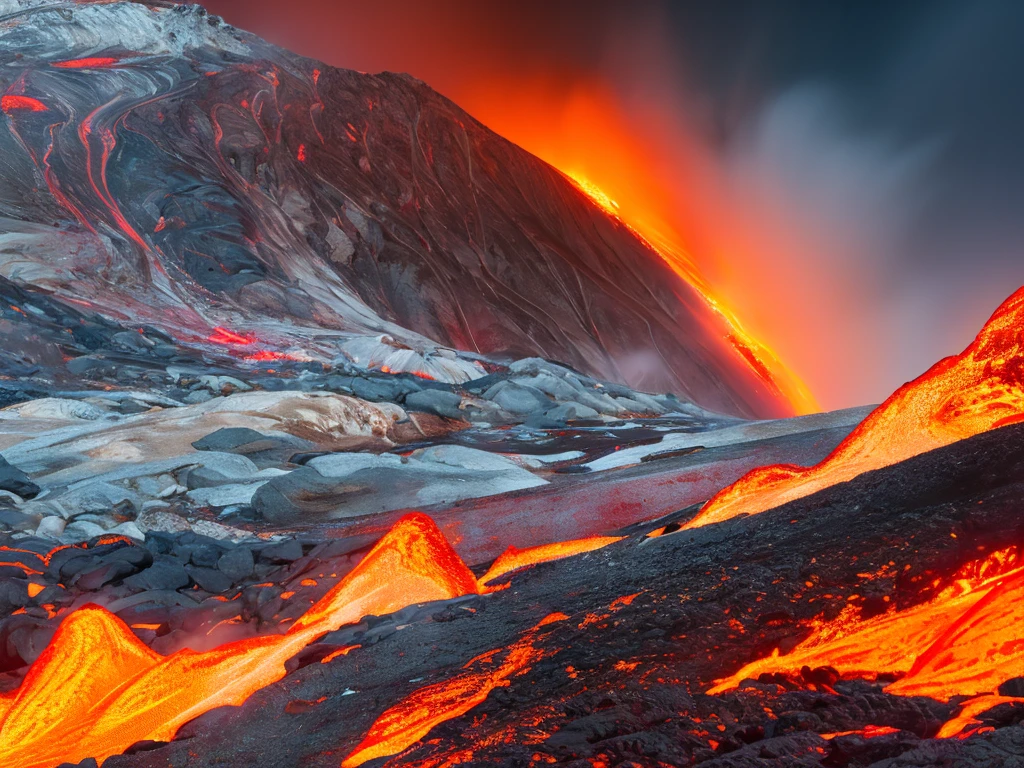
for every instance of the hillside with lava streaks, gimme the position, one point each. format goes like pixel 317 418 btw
pixel 171 175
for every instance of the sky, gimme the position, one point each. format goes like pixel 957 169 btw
pixel 846 177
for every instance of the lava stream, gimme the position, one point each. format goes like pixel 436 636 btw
pixel 97 689
pixel 513 559
pixel 413 718
pixel 961 396
pixel 955 645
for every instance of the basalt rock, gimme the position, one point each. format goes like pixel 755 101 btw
pixel 14 480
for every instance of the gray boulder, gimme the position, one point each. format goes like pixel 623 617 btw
pixel 356 484
pixel 14 480
pixel 437 401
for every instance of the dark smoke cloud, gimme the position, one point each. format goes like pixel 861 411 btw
pixel 866 158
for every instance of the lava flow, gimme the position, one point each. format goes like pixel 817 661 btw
pixel 964 642
pixel 961 396
pixel 762 360
pixel 97 689
pixel 513 559
pixel 413 717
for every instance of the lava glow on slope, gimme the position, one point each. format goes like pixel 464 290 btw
pixel 513 559
pixel 412 718
pixel 965 641
pixel 976 391
pixel 762 360
pixel 97 689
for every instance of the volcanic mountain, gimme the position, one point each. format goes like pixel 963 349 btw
pixel 167 174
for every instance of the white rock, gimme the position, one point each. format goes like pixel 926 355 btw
pixel 466 458
pixel 10 496
pixel 50 527
pixel 225 495
pixel 97 496
pixel 80 530
pixel 129 529
pixel 158 520
pixel 57 408
pixel 344 464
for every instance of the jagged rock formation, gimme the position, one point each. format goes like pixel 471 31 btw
pixel 163 175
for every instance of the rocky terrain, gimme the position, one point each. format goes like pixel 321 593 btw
pixel 336 430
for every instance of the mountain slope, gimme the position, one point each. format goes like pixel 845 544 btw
pixel 161 168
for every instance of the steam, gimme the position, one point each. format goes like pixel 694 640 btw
pixel 826 213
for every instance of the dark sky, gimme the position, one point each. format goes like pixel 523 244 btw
pixel 849 176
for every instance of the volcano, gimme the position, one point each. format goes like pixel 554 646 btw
pixel 217 190
pixel 336 430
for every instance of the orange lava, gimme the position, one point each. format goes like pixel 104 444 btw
pixel 964 723
pixel 785 384
pixel 413 718
pixel 513 559
pixel 961 396
pixel 12 101
pixel 265 355
pixel 97 689
pixel 868 732
pixel 966 641
pixel 94 62
pixel 224 336
pixel 343 651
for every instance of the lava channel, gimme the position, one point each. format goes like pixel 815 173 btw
pixel 966 641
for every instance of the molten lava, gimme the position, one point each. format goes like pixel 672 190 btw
pixel 413 718
pixel 961 396
pixel 10 102
pixel 94 62
pixel 966 641
pixel 226 337
pixel 97 689
pixel 762 360
pixel 513 559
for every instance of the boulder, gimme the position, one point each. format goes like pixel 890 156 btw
pixel 437 401
pixel 236 563
pixel 14 480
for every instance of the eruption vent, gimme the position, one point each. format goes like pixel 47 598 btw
pixel 961 396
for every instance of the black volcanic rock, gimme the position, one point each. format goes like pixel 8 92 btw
pixel 193 176
pixel 14 480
